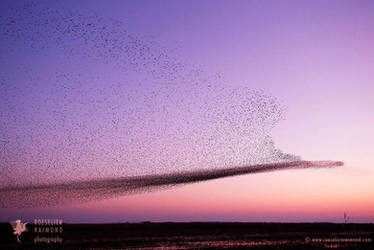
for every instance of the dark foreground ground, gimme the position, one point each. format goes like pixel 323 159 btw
pixel 195 235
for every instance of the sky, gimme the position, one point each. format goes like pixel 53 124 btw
pixel 313 59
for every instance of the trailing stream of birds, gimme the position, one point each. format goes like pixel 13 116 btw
pixel 95 112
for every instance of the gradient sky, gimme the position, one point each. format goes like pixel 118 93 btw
pixel 315 57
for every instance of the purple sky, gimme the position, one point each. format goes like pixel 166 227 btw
pixel 314 57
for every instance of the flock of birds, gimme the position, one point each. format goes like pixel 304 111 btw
pixel 82 99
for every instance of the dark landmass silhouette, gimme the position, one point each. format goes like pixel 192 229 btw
pixel 198 235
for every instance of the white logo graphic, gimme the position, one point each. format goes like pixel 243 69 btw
pixel 18 228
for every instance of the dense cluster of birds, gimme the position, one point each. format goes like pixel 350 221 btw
pixel 93 190
pixel 82 99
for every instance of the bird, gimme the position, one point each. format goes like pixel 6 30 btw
pixel 18 228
